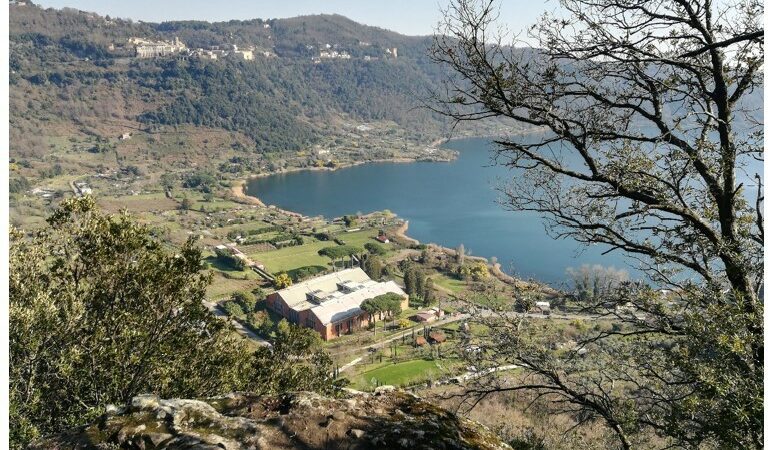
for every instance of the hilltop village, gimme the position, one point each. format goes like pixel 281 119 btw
pixel 141 47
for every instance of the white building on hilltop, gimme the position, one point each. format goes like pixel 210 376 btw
pixel 149 49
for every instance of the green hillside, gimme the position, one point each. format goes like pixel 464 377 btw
pixel 76 69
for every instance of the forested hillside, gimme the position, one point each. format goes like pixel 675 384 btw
pixel 74 71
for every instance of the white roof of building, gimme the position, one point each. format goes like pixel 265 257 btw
pixel 344 305
pixel 296 296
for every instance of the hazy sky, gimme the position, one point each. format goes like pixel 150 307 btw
pixel 412 17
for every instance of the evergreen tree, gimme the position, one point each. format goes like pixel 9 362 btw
pixel 429 295
pixel 373 267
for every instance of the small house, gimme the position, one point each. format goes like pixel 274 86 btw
pixel 384 239
pixel 544 308
pixel 424 317
pixel 428 316
pixel 419 341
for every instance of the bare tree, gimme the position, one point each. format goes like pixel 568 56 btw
pixel 647 135
pixel 591 282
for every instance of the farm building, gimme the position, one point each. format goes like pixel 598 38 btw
pixel 428 316
pixel 330 304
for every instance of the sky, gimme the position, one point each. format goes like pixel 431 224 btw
pixel 410 17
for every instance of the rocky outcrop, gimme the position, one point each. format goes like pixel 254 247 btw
pixel 304 420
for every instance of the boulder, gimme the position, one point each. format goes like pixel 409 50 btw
pixel 391 419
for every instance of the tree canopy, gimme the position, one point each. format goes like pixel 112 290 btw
pixel 99 311
pixel 649 135
pixel 389 303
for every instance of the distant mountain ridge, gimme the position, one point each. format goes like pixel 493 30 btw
pixel 71 68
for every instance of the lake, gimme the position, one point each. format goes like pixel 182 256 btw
pixel 445 203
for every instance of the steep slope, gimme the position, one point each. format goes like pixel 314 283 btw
pixel 74 70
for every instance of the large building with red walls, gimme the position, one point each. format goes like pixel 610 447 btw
pixel 330 304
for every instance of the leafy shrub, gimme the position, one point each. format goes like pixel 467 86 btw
pixel 234 309
pixel 282 281
pixel 374 248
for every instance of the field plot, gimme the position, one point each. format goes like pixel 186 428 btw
pixel 450 284
pixel 138 203
pixel 404 373
pixel 290 258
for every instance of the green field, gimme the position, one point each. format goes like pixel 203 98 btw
pixel 401 374
pixel 289 258
pixel 451 284
pixel 360 238
pixel 223 287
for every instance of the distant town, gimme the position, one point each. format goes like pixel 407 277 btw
pixel 147 48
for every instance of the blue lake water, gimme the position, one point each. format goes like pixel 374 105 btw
pixel 445 203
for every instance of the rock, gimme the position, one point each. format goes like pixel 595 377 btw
pixel 145 402
pixel 156 439
pixel 112 410
pixel 356 433
pixel 390 419
pixel 383 389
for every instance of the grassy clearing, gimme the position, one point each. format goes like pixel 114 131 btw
pixel 451 284
pixel 359 238
pixel 223 287
pixel 289 258
pixel 402 374
pixel 138 203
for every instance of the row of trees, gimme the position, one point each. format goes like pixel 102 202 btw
pixel 339 253
pixel 418 285
pixel 389 304
pixel 593 282
pixel 225 256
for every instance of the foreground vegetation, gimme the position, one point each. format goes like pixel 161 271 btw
pixel 99 312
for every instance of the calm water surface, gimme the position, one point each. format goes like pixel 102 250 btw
pixel 445 203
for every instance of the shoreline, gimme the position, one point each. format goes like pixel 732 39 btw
pixel 401 233
pixel 240 188
pixel 495 269
pixel 239 191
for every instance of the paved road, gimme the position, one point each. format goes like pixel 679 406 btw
pixel 555 315
pixel 241 329
pixel 351 363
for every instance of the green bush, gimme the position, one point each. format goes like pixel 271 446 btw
pixel 246 300
pixel 374 248
pixel 233 309
pixel 305 272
